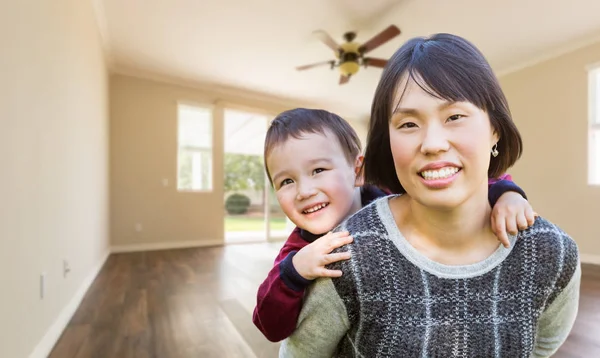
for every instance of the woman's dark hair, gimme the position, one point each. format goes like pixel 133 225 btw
pixel 447 67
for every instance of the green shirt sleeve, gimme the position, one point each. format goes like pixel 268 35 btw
pixel 322 323
pixel 557 320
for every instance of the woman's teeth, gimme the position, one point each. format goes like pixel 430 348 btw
pixel 440 173
pixel 315 208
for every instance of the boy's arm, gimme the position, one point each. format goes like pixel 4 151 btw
pixel 504 176
pixel 511 211
pixel 501 185
pixel 279 298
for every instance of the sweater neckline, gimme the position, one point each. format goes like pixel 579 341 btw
pixel 434 267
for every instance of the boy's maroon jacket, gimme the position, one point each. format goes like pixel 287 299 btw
pixel 278 305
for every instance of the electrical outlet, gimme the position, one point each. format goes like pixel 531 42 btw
pixel 42 285
pixel 165 182
pixel 66 268
pixel 138 227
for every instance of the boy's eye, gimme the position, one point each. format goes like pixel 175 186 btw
pixel 455 117
pixel 408 125
pixel 285 182
pixel 318 170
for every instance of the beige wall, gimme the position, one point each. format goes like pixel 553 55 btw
pixel 549 102
pixel 143 152
pixel 53 158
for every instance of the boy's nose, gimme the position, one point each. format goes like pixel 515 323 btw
pixel 305 191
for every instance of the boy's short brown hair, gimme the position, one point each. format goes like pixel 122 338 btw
pixel 298 121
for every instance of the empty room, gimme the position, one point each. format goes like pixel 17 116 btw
pixel 190 178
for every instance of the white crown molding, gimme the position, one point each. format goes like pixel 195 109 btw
pixel 571 47
pixel 102 26
pixel 228 94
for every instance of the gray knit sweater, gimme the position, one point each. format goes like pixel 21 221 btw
pixel 392 301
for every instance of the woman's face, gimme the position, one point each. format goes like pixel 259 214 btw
pixel 441 149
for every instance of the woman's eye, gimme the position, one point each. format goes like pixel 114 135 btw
pixel 455 117
pixel 285 182
pixel 318 170
pixel 408 125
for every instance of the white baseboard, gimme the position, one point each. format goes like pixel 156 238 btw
pixel 164 245
pixel 590 259
pixel 45 346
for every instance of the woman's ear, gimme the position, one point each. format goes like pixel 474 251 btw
pixel 495 136
pixel 358 163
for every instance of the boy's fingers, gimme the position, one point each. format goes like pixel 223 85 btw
pixel 511 227
pixel 338 256
pixel 332 235
pixel 339 234
pixel 345 240
pixel 530 215
pixel 522 221
pixel 500 231
pixel 503 238
pixel 329 273
pixel 334 244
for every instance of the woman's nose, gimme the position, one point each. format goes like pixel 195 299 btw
pixel 435 140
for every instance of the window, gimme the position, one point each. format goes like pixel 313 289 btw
pixel 594 129
pixel 194 155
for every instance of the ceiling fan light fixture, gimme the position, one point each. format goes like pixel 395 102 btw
pixel 350 55
pixel 349 68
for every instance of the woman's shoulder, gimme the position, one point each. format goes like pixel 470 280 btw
pixel 551 249
pixel 371 217
pixel 550 237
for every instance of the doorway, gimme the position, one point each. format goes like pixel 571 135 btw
pixel 252 213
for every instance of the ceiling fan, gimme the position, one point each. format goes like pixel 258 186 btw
pixel 350 54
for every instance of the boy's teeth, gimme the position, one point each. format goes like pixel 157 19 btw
pixel 439 174
pixel 315 208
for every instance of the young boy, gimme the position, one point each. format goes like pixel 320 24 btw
pixel 313 160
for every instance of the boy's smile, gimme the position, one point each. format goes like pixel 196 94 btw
pixel 314 183
pixel 314 208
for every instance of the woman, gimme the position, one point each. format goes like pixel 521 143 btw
pixel 427 278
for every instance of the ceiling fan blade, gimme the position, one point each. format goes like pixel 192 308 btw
pixel 379 39
pixel 375 62
pixel 327 40
pixel 312 65
pixel 344 79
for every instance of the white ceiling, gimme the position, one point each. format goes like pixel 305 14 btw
pixel 255 45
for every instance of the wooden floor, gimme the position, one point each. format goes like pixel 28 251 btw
pixel 198 303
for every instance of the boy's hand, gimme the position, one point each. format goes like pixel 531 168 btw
pixel 511 213
pixel 310 261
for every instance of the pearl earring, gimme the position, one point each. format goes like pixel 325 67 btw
pixel 495 150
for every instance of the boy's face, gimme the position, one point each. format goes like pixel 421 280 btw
pixel 314 182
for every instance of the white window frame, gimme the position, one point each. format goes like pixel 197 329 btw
pixel 200 150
